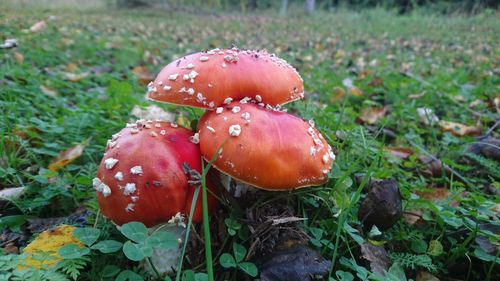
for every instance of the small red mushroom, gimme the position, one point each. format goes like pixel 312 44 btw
pixel 265 148
pixel 142 174
pixel 214 78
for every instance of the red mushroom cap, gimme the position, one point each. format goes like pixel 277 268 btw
pixel 211 79
pixel 141 176
pixel 265 148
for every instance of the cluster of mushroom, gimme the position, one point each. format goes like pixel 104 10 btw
pixel 243 91
pixel 147 170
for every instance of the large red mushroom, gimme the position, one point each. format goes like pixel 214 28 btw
pixel 214 78
pixel 265 148
pixel 141 176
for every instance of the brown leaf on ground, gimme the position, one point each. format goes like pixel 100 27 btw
pixel 48 91
pixel 153 112
pixel 355 91
pixel 426 276
pixel 11 248
pixel 71 67
pixel 377 256
pixel 73 77
pixel 18 57
pixel 372 114
pixel 66 157
pixel 37 27
pixel 434 194
pixel 489 148
pixel 337 95
pixel 435 167
pixel 399 152
pixel 411 217
pixel 458 129
pixel 143 75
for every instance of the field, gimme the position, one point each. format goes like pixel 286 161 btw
pixel 412 100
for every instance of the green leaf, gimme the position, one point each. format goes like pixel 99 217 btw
pixel 87 235
pixel 136 252
pixel 435 248
pixel 249 268
pixel 344 276
pixel 239 252
pixel 188 275
pixel 110 271
pixel 201 276
pixel 107 246
pixel 419 246
pixel 162 239
pixel 134 231
pixel 128 275
pixel 227 261
pixel 73 251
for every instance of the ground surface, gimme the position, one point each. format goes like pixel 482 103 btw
pixel 76 81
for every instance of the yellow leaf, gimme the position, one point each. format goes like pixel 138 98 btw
pixel 372 114
pixel 355 91
pixel 43 251
pixel 48 91
pixel 66 157
pixel 18 57
pixel 183 121
pixel 72 67
pixel 458 129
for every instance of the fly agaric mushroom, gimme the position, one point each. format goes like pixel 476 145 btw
pixel 265 148
pixel 214 78
pixel 141 177
pixel 145 176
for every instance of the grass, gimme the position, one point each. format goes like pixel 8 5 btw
pixel 450 62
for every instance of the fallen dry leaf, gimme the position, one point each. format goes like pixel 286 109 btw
pixel 458 129
pixel 47 244
pixel 71 67
pixel 372 114
pixel 377 256
pixel 434 166
pixel 74 77
pixel 411 217
pixel 399 152
pixel 153 112
pixel 143 75
pixel 426 276
pixel 48 91
pixel 18 57
pixel 38 26
pixel 66 157
pixel 434 194
pixel 337 95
